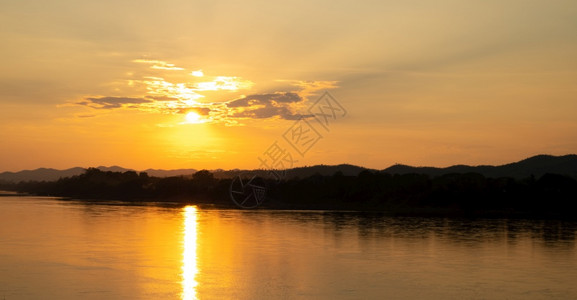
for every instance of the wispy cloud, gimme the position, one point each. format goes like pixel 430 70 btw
pixel 158 87
pixel 224 83
pixel 280 105
pixel 261 106
pixel 197 73
pixel 158 64
pixel 112 102
pixel 308 87
pixel 265 99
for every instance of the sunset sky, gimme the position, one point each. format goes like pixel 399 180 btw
pixel 221 84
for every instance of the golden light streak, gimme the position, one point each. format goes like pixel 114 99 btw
pixel 189 255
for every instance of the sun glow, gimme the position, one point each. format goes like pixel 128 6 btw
pixel 189 255
pixel 193 118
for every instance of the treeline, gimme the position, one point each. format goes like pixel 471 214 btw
pixel 453 194
pixel 469 194
pixel 128 186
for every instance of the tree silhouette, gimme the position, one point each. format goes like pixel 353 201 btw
pixel 473 194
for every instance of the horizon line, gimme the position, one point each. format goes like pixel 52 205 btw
pixel 305 166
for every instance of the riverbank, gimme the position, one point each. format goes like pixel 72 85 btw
pixel 471 194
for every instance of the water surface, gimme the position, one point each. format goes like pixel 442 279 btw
pixel 53 249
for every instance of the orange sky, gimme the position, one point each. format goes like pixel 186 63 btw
pixel 214 84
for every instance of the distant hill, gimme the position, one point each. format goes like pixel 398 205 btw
pixel 301 172
pixel 347 170
pixel 113 169
pixel 169 173
pixel 45 174
pixel 536 165
pixel 42 174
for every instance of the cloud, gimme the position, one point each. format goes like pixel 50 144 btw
pixel 82 116
pixel 158 64
pixel 158 87
pixel 283 105
pixel 161 98
pixel 203 111
pixel 158 95
pixel 111 102
pixel 225 83
pixel 262 106
pixel 265 99
pixel 197 73
pixel 269 112
pixel 308 88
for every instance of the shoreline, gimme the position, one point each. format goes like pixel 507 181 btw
pixel 421 212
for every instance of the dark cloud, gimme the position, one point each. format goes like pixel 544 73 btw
pixel 261 106
pixel 203 111
pixel 111 102
pixel 258 106
pixel 161 98
pixel 269 112
pixel 265 99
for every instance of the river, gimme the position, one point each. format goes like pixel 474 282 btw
pixel 66 249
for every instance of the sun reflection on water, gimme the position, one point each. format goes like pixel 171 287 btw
pixel 189 255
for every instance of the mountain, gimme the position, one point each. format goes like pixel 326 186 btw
pixel 303 172
pixel 300 172
pixel 169 173
pixel 45 174
pixel 113 169
pixel 42 174
pixel 536 165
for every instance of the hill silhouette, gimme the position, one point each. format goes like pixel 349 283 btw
pixel 48 174
pixel 450 194
pixel 41 174
pixel 536 166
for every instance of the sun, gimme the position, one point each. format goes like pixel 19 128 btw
pixel 193 118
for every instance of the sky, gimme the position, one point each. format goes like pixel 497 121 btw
pixel 277 84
